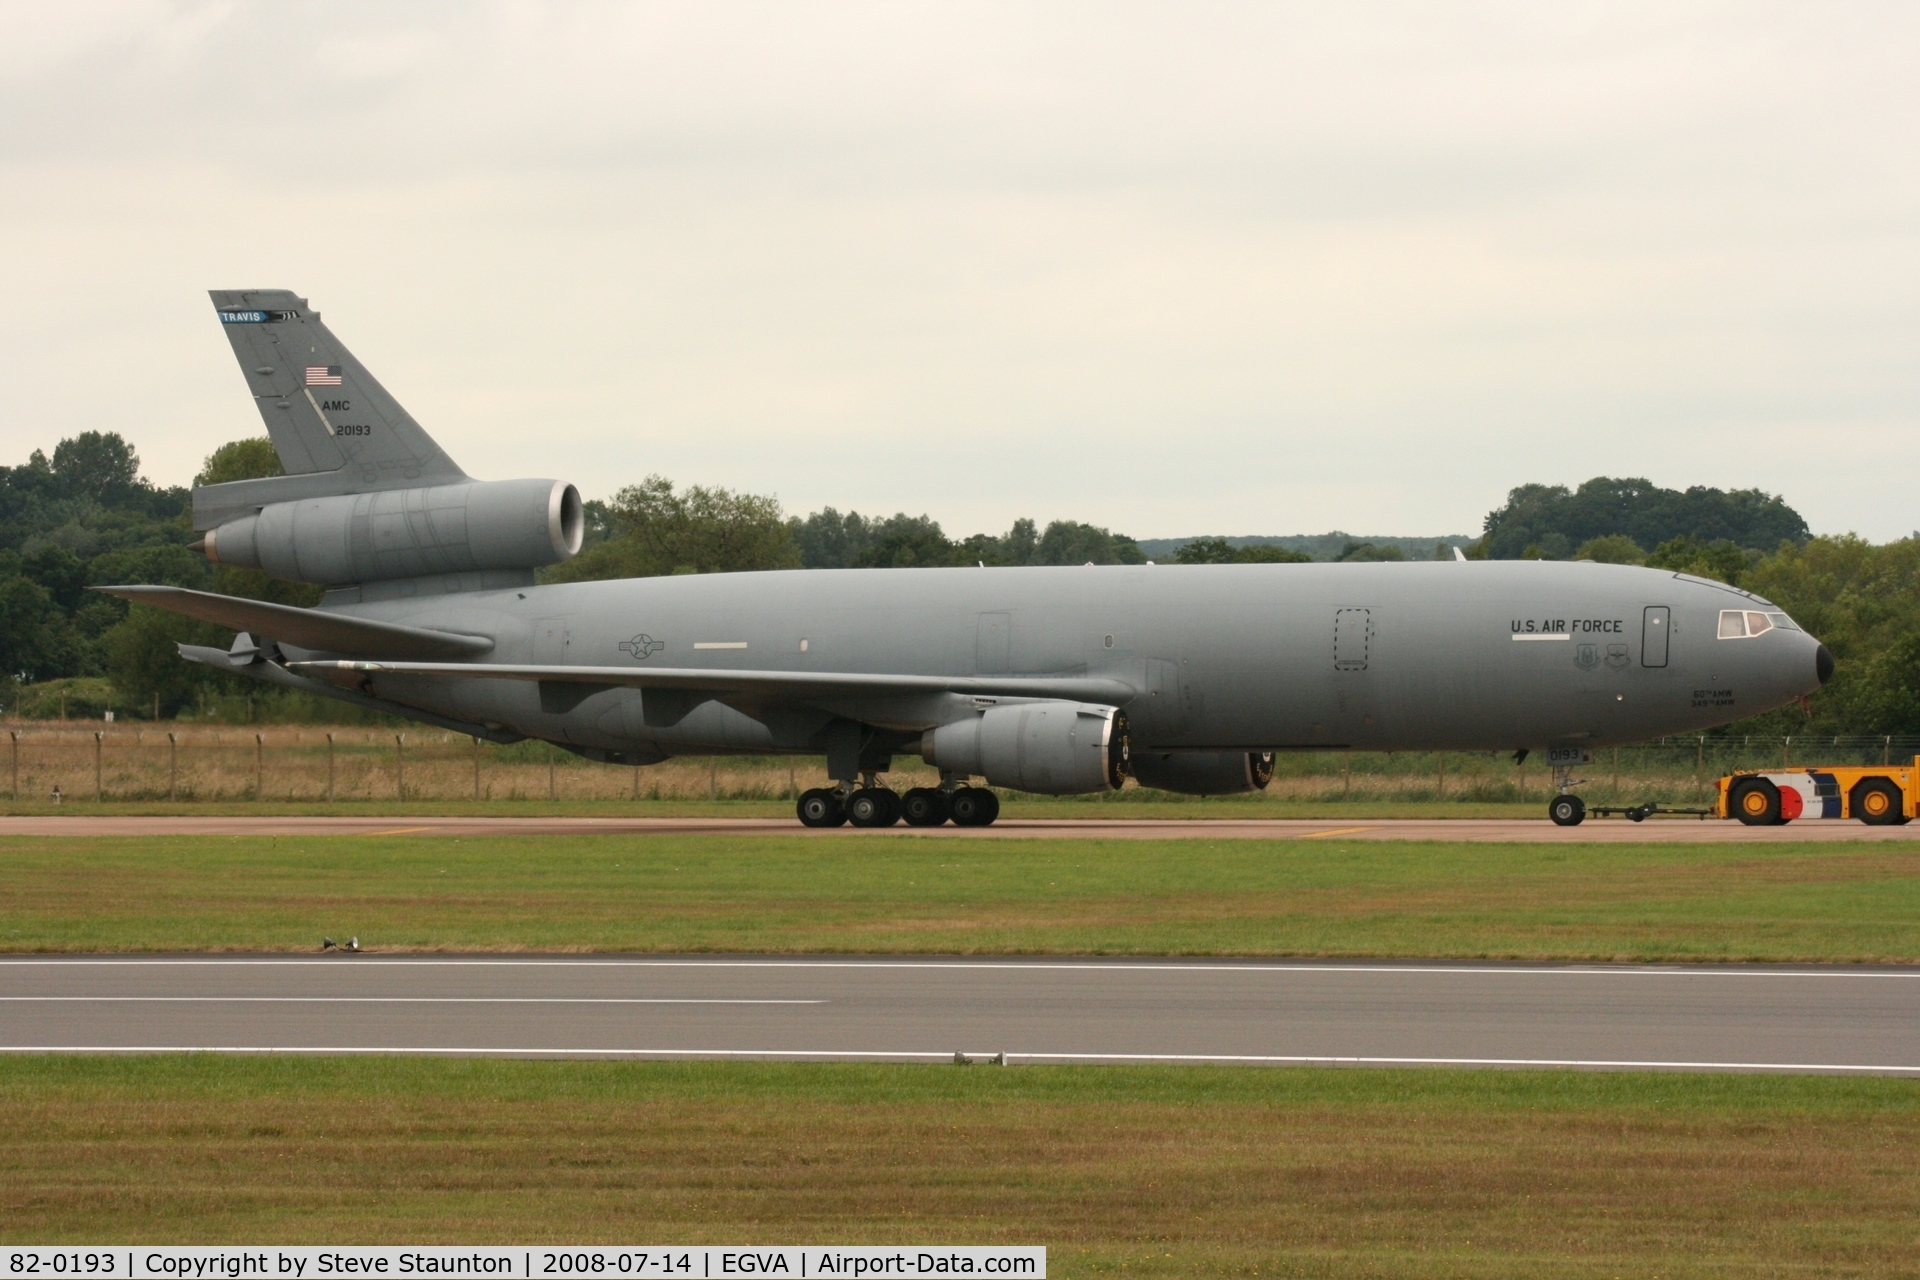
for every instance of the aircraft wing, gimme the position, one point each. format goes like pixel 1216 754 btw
pixel 719 681
pixel 308 628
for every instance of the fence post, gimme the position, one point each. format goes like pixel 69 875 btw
pixel 713 777
pixel 259 766
pixel 1700 767
pixel 1346 775
pixel 553 784
pixel 99 744
pixel 476 767
pixel 16 762
pixel 636 782
pixel 1786 752
pixel 1616 773
pixel 1886 751
pixel 329 768
pixel 173 766
pixel 400 766
pixel 1521 765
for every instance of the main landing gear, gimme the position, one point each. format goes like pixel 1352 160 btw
pixel 871 805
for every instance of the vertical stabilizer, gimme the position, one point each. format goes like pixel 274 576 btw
pixel 322 408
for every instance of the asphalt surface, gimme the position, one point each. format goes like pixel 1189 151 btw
pixel 1594 830
pixel 1786 1019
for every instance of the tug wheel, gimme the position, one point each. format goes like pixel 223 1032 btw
pixel 1757 803
pixel 1878 803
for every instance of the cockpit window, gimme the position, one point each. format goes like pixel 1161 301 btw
pixel 1738 623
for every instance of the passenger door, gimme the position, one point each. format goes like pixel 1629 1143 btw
pixel 1654 627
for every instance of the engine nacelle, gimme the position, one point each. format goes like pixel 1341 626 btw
pixel 1204 773
pixel 1054 748
pixel 406 533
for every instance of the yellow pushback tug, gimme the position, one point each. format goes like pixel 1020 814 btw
pixel 1880 795
pixel 1877 794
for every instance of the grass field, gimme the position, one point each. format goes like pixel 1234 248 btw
pixel 789 894
pixel 1136 1171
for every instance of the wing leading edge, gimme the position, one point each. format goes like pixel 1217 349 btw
pixel 793 683
pixel 307 628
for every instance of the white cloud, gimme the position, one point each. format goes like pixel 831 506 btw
pixel 1232 268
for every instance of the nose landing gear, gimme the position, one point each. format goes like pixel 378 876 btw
pixel 1566 809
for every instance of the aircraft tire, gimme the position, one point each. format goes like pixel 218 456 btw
pixel 974 807
pixel 820 807
pixel 1756 802
pixel 873 807
pixel 1878 803
pixel 1567 811
pixel 924 807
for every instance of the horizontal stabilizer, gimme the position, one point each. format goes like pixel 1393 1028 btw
pixel 308 628
pixel 790 683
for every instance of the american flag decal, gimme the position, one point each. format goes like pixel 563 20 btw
pixel 323 375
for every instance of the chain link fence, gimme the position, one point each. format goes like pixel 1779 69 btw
pixel 62 762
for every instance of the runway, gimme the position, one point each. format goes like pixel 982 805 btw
pixel 1594 830
pixel 1756 1018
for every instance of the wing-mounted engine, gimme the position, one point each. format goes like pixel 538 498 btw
pixel 1053 748
pixel 405 533
pixel 1204 773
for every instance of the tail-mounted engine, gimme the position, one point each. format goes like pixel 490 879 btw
pixel 405 533
pixel 1054 748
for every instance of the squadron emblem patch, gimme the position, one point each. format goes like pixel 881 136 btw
pixel 642 646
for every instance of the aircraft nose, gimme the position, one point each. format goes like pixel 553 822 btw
pixel 1823 663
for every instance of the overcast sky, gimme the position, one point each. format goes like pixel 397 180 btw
pixel 1175 268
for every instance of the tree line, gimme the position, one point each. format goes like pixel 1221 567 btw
pixel 85 516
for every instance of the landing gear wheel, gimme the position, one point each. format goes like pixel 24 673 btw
pixel 1878 803
pixel 1567 811
pixel 974 807
pixel 1756 803
pixel 873 807
pixel 820 808
pixel 924 807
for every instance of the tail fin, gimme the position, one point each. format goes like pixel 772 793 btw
pixel 336 429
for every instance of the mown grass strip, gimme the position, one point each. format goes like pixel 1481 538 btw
pixel 1150 1171
pixel 1332 897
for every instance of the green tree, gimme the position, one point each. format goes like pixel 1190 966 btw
pixel 1722 560
pixel 908 542
pixel 1613 548
pixel 1220 551
pixel 1547 521
pixel 1361 552
pixel 1071 542
pixel 251 459
pixel 657 531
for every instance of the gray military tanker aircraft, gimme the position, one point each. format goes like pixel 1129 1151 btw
pixel 1054 680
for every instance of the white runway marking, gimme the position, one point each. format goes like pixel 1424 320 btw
pixel 979 1057
pixel 1706 969
pixel 382 1000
